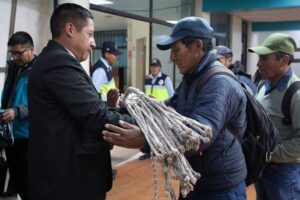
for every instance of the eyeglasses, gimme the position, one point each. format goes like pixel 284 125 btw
pixel 17 53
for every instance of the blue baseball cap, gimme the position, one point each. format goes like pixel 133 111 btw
pixel 155 62
pixel 187 27
pixel 111 47
pixel 223 51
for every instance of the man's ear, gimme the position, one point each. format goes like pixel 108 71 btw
pixel 199 44
pixel 105 54
pixel 285 59
pixel 69 28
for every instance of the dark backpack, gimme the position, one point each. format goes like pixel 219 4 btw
pixel 261 135
pixel 286 102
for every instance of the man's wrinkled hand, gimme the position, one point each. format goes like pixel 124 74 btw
pixel 128 135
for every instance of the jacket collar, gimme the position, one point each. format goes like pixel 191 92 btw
pixel 281 84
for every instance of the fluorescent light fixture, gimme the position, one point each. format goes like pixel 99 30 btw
pixel 101 2
pixel 172 21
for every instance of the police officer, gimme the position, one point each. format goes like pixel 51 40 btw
pixel 157 83
pixel 101 72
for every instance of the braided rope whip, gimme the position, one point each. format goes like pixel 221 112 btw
pixel 169 136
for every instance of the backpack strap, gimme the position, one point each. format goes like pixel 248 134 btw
pixel 211 71
pixel 221 70
pixel 286 102
pixel 260 85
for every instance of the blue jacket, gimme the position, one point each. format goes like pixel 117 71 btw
pixel 220 104
pixel 14 96
pixel 239 70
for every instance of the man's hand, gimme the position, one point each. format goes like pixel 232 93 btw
pixel 113 97
pixel 8 115
pixel 128 135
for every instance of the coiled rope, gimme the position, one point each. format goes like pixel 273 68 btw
pixel 169 136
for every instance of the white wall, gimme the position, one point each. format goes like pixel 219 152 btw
pixel 33 17
pixel 136 30
pixel 251 57
pixel 236 37
pixel 5 7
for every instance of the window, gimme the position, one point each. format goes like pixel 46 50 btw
pixel 137 7
pixel 5 8
pixel 172 10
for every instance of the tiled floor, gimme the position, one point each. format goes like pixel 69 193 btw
pixel 134 180
pixel 119 156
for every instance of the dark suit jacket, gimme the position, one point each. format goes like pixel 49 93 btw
pixel 68 158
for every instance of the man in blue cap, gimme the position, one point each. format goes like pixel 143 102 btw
pixel 101 72
pixel 225 56
pixel 220 104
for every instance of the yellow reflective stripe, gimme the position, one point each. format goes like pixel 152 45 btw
pixel 148 89
pixel 104 88
pixel 159 92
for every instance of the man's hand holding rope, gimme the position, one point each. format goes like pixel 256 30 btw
pixel 127 135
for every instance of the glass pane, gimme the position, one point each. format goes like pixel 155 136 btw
pixel 220 23
pixel 5 8
pixel 172 10
pixel 137 7
pixel 132 39
pixel 158 33
pixel 33 16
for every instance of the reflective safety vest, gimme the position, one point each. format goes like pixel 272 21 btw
pixel 158 89
pixel 105 87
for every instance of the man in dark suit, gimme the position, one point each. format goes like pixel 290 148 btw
pixel 68 157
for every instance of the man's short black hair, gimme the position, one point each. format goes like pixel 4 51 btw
pixel 207 43
pixel 280 54
pixel 68 12
pixel 20 37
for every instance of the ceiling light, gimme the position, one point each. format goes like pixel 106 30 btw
pixel 172 21
pixel 101 2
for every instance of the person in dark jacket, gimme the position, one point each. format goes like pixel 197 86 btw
pixel 220 104
pixel 68 157
pixel 14 102
pixel 225 56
